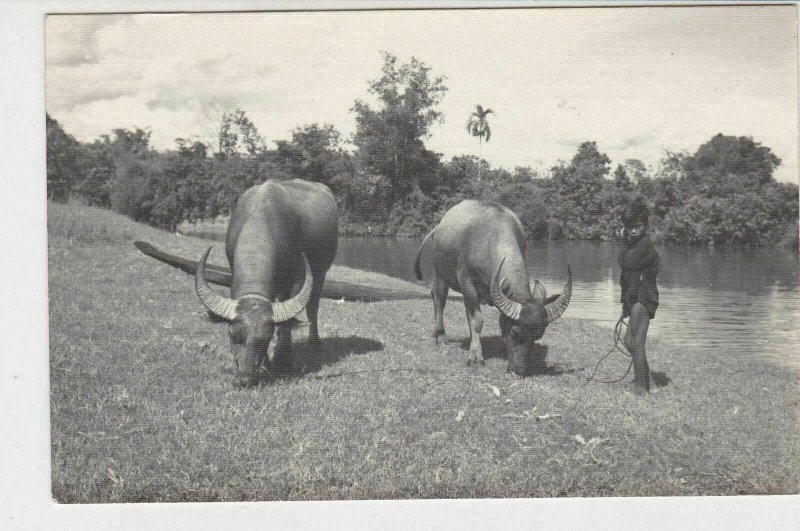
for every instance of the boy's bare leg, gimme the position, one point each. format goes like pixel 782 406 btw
pixel 635 340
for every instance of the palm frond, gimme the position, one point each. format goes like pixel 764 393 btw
pixel 477 124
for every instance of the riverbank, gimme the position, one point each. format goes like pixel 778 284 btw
pixel 143 406
pixel 215 229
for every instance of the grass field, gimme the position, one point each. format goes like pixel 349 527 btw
pixel 144 406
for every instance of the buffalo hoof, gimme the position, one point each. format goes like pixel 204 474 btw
pixel 249 379
pixel 636 389
pixel 440 338
pixel 473 360
pixel 519 371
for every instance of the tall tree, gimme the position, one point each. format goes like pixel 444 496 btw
pixel 390 137
pixel 314 153
pixel 131 142
pixel 728 163
pixel 636 170
pixel 64 156
pixel 478 125
pixel 621 177
pixel 578 185
pixel 584 175
pixel 238 136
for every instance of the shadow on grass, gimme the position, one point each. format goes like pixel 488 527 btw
pixel 330 351
pixel 660 378
pixel 535 364
pixel 334 349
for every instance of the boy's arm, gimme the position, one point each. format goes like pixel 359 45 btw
pixel 643 256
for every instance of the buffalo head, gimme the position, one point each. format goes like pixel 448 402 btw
pixel 251 319
pixel 523 323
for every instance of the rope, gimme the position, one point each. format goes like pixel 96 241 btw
pixel 367 371
pixel 616 346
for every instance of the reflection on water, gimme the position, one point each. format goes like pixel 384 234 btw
pixel 737 301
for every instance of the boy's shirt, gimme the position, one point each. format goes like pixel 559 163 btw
pixel 639 263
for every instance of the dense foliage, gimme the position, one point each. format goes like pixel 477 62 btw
pixel 389 183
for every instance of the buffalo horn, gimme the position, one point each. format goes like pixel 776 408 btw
pixel 283 311
pixel 556 308
pixel 214 302
pixel 509 308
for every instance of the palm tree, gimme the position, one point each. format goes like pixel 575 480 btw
pixel 478 125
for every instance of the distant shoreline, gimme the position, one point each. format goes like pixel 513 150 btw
pixel 215 230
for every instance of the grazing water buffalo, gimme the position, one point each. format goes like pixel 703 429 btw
pixel 478 249
pixel 281 241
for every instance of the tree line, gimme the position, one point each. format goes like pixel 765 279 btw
pixel 390 184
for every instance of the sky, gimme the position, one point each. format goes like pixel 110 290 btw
pixel 638 81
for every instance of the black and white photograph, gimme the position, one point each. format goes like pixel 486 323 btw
pixel 422 254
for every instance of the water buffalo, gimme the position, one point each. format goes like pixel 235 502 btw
pixel 281 241
pixel 478 249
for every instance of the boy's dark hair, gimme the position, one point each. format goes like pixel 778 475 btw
pixel 635 213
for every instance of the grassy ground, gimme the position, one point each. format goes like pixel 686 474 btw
pixel 144 406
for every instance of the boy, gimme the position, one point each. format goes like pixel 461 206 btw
pixel 639 262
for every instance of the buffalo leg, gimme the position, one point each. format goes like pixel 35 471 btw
pixel 312 311
pixel 475 322
pixel 284 357
pixel 439 292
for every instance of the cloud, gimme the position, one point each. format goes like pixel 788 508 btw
pixel 210 67
pixel 167 99
pixel 72 39
pixel 74 85
pixel 91 94
pixel 638 140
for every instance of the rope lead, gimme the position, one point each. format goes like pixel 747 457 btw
pixel 623 349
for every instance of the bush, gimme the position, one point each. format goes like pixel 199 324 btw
pixel 64 161
pixel 167 189
pixel 132 189
pixel 528 203
pixel 724 193
pixel 413 215
pixel 744 219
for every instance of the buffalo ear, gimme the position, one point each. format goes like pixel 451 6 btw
pixel 539 293
pixel 214 318
pixel 551 298
pixel 294 322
